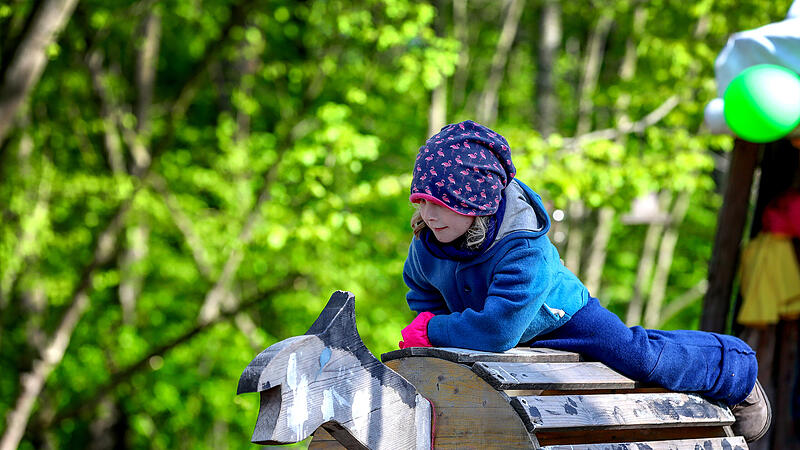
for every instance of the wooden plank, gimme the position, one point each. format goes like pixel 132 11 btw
pixel 552 376
pixel 467 356
pixel 618 411
pixel 323 440
pixel 726 443
pixel 595 436
pixel 469 412
pixel 329 378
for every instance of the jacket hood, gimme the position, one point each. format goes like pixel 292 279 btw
pixel 524 212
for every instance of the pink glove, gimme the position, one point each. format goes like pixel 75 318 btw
pixel 416 333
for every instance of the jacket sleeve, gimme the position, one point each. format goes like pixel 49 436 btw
pixel 422 295
pixel 521 282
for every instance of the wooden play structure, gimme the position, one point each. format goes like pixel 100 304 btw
pixel 775 167
pixel 327 385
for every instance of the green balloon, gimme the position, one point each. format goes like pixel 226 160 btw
pixel 762 104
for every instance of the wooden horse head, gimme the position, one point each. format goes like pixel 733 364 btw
pixel 328 378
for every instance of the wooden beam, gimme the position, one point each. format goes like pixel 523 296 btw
pixel 467 356
pixel 730 229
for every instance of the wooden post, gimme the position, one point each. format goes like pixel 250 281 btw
pixel 730 228
pixel 786 435
pixel 328 378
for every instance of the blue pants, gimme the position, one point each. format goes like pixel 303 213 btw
pixel 717 366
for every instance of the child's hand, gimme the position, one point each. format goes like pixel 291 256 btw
pixel 416 333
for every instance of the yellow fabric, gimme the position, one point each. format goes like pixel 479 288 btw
pixel 770 280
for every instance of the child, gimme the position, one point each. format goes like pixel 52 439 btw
pixel 482 274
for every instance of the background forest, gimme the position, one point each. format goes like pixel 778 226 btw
pixel 188 181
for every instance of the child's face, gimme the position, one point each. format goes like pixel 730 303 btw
pixel 447 225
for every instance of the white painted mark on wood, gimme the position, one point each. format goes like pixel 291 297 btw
pixel 291 371
pixel 327 404
pixel 423 420
pixel 298 410
pixel 360 409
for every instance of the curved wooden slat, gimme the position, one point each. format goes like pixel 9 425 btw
pixel 618 411
pixel 551 376
pixel 724 443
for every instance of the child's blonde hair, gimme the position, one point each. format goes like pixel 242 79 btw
pixel 475 234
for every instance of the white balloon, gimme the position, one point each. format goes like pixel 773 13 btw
pixel 714 117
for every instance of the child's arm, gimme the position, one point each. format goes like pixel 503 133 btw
pixel 421 296
pixel 521 283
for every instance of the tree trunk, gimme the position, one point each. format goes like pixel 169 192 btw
pixel 602 235
pixel 131 280
pixel 147 58
pixel 644 271
pixel 137 247
pixel 30 58
pixel 599 249
pixel 575 218
pixel 628 68
pixel 460 23
pixel 108 112
pixel 593 60
pixel 487 107
pixel 30 225
pixel 665 252
pixel 549 42
pixel 437 113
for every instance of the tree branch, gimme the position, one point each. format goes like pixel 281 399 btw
pixel 675 306
pixel 639 126
pixel 215 297
pixel 29 60
pixel 122 376
pixel 33 382
pixel 184 224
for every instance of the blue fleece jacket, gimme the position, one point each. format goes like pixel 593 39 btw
pixel 516 290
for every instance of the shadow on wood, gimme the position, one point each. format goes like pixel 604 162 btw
pixel 328 378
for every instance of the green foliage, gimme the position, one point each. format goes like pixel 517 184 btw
pixel 301 129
